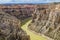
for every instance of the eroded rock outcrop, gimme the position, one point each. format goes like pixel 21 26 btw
pixel 47 22
pixel 10 28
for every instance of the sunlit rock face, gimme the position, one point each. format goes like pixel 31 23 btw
pixel 47 22
pixel 10 28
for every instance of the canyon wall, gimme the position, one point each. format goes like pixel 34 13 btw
pixel 46 21
pixel 19 11
pixel 10 28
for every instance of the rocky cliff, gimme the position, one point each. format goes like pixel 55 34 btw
pixel 19 11
pixel 10 28
pixel 47 21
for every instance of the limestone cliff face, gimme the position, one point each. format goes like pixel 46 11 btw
pixel 10 28
pixel 47 22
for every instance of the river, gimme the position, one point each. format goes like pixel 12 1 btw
pixel 33 36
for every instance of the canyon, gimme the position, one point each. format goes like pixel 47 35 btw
pixel 45 20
